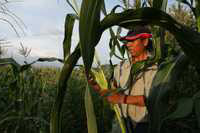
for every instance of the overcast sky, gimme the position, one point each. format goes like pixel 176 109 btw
pixel 44 20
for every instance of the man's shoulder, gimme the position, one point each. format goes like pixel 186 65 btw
pixel 122 72
pixel 123 63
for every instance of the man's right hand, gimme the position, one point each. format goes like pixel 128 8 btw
pixel 94 84
pixel 117 98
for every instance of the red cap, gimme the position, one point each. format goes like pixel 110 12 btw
pixel 132 38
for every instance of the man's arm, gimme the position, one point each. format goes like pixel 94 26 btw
pixel 118 98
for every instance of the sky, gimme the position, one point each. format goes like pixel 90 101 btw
pixel 43 32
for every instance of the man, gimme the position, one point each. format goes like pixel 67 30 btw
pixel 136 85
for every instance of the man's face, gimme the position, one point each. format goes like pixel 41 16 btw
pixel 137 47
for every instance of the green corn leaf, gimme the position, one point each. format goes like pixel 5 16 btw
pixel 11 61
pixel 103 8
pixel 25 67
pixel 115 42
pixel 138 4
pixel 91 118
pixel 100 78
pixel 69 24
pixel 69 64
pixel 9 118
pixel 119 118
pixel 183 109
pixel 183 1
pixel 114 8
pixel 162 83
pixel 110 43
pixel 51 59
pixel 164 5
pixel 89 30
pixel 76 6
pixel 126 4
pixel 112 48
pixel 98 73
pixel 119 30
pixel 188 39
pixel 157 50
pixel 190 5
pixel 158 3
pixel 197 95
pixel 197 110
pixel 73 4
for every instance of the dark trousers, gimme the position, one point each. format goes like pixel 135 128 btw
pixel 141 128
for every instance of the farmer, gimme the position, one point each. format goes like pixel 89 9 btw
pixel 136 85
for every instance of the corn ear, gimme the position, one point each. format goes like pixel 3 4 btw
pixel 100 78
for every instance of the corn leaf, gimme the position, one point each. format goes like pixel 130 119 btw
pixel 183 109
pixel 162 83
pixel 197 110
pixel 89 30
pixel 188 39
pixel 126 4
pixel 157 50
pixel 196 95
pixel 115 42
pixel 103 8
pixel 119 118
pixel 69 64
pixel 137 4
pixel 69 24
pixel 100 78
pixel 158 3
pixel 98 74
pixel 91 118
pixel 164 5
pixel 11 61
pixel 51 59
pixel 73 4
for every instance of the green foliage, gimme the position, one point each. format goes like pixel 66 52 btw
pixel 187 38
pixel 69 64
pixel 184 108
pixel 98 75
pixel 162 83
pixel 197 110
pixel 91 29
pixel 22 98
pixel 69 24
pixel 89 35
pixel 26 100
pixel 160 4
pixel 91 118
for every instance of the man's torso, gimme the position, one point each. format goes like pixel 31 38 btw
pixel 141 86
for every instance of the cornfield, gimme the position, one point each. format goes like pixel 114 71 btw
pixel 31 101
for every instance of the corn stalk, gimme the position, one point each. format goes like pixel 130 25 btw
pixel 194 5
pixel 162 5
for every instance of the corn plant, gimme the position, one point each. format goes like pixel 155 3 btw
pixel 22 97
pixel 91 28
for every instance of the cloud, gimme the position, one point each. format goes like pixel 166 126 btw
pixel 45 29
pixel 39 15
pixel 41 46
